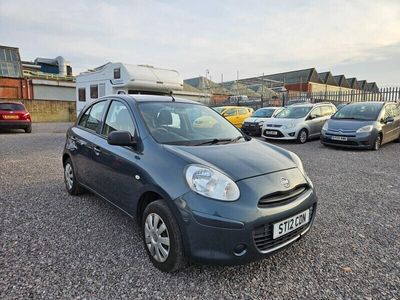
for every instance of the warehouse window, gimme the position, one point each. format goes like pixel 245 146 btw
pixel 117 73
pixel 10 63
pixel 94 91
pixel 82 94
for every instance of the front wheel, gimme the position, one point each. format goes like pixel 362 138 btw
pixel 162 237
pixel 377 143
pixel 302 137
pixel 28 129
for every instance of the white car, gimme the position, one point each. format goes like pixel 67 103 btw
pixel 253 125
pixel 298 122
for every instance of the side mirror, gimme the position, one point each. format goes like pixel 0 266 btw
pixel 121 138
pixel 311 117
pixel 389 120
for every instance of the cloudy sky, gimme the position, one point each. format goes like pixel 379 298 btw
pixel 359 38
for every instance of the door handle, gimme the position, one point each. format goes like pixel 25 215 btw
pixel 97 150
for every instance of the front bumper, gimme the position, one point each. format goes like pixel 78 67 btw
pixel 281 134
pixel 239 232
pixel 361 141
pixel 15 124
pixel 251 128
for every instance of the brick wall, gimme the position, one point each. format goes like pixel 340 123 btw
pixel 50 110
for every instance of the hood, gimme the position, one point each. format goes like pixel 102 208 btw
pixel 348 125
pixel 255 120
pixel 238 161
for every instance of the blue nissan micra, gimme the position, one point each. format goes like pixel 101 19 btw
pixel 201 192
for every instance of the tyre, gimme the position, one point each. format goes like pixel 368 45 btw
pixel 162 237
pixel 71 184
pixel 377 143
pixel 302 137
pixel 28 129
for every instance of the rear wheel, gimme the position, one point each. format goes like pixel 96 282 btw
pixel 28 129
pixel 302 137
pixel 71 184
pixel 162 237
pixel 377 143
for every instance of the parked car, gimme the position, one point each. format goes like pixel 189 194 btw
pixel 196 197
pixel 13 115
pixel 363 125
pixel 235 114
pixel 254 123
pixel 298 122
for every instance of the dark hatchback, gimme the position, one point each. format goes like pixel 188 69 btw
pixel 363 125
pixel 194 194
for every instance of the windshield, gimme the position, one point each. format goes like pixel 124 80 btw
pixel 11 106
pixel 359 111
pixel 187 124
pixel 219 109
pixel 263 113
pixel 294 112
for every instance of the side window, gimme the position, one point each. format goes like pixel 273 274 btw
pixel 94 91
pixel 95 114
pixel 230 112
pixel 118 118
pixel 243 111
pixel 82 94
pixel 85 116
pixel 326 110
pixel 316 112
pixel 396 110
pixel 388 111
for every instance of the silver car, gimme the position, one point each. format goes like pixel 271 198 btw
pixel 298 122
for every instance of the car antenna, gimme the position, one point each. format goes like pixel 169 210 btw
pixel 172 96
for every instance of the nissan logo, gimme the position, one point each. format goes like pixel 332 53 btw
pixel 285 182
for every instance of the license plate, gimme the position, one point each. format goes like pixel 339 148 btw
pixel 10 117
pixel 271 132
pixel 339 138
pixel 288 225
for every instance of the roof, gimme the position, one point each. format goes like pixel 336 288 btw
pixel 353 83
pixel 362 84
pixel 327 78
pixel 372 87
pixel 341 80
pixel 298 76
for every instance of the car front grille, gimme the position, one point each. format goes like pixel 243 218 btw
pixel 263 235
pixel 274 125
pixel 283 197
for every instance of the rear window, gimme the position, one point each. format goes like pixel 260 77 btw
pixel 11 106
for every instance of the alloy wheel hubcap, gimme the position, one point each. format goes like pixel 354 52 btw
pixel 157 237
pixel 303 136
pixel 69 176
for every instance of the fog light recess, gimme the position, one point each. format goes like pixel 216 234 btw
pixel 240 250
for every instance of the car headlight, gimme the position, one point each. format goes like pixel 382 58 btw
pixel 325 127
pixel 211 183
pixel 260 123
pixel 289 126
pixel 367 128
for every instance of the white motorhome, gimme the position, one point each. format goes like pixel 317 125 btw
pixel 120 78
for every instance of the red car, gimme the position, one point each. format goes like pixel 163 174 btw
pixel 13 115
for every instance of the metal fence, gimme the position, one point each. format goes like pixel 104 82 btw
pixel 391 94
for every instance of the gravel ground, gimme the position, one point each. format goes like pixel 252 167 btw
pixel 57 246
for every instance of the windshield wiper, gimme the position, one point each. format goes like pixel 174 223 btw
pixel 236 139
pixel 213 141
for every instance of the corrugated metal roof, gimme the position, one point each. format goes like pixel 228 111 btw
pixel 341 80
pixel 327 78
pixel 353 83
